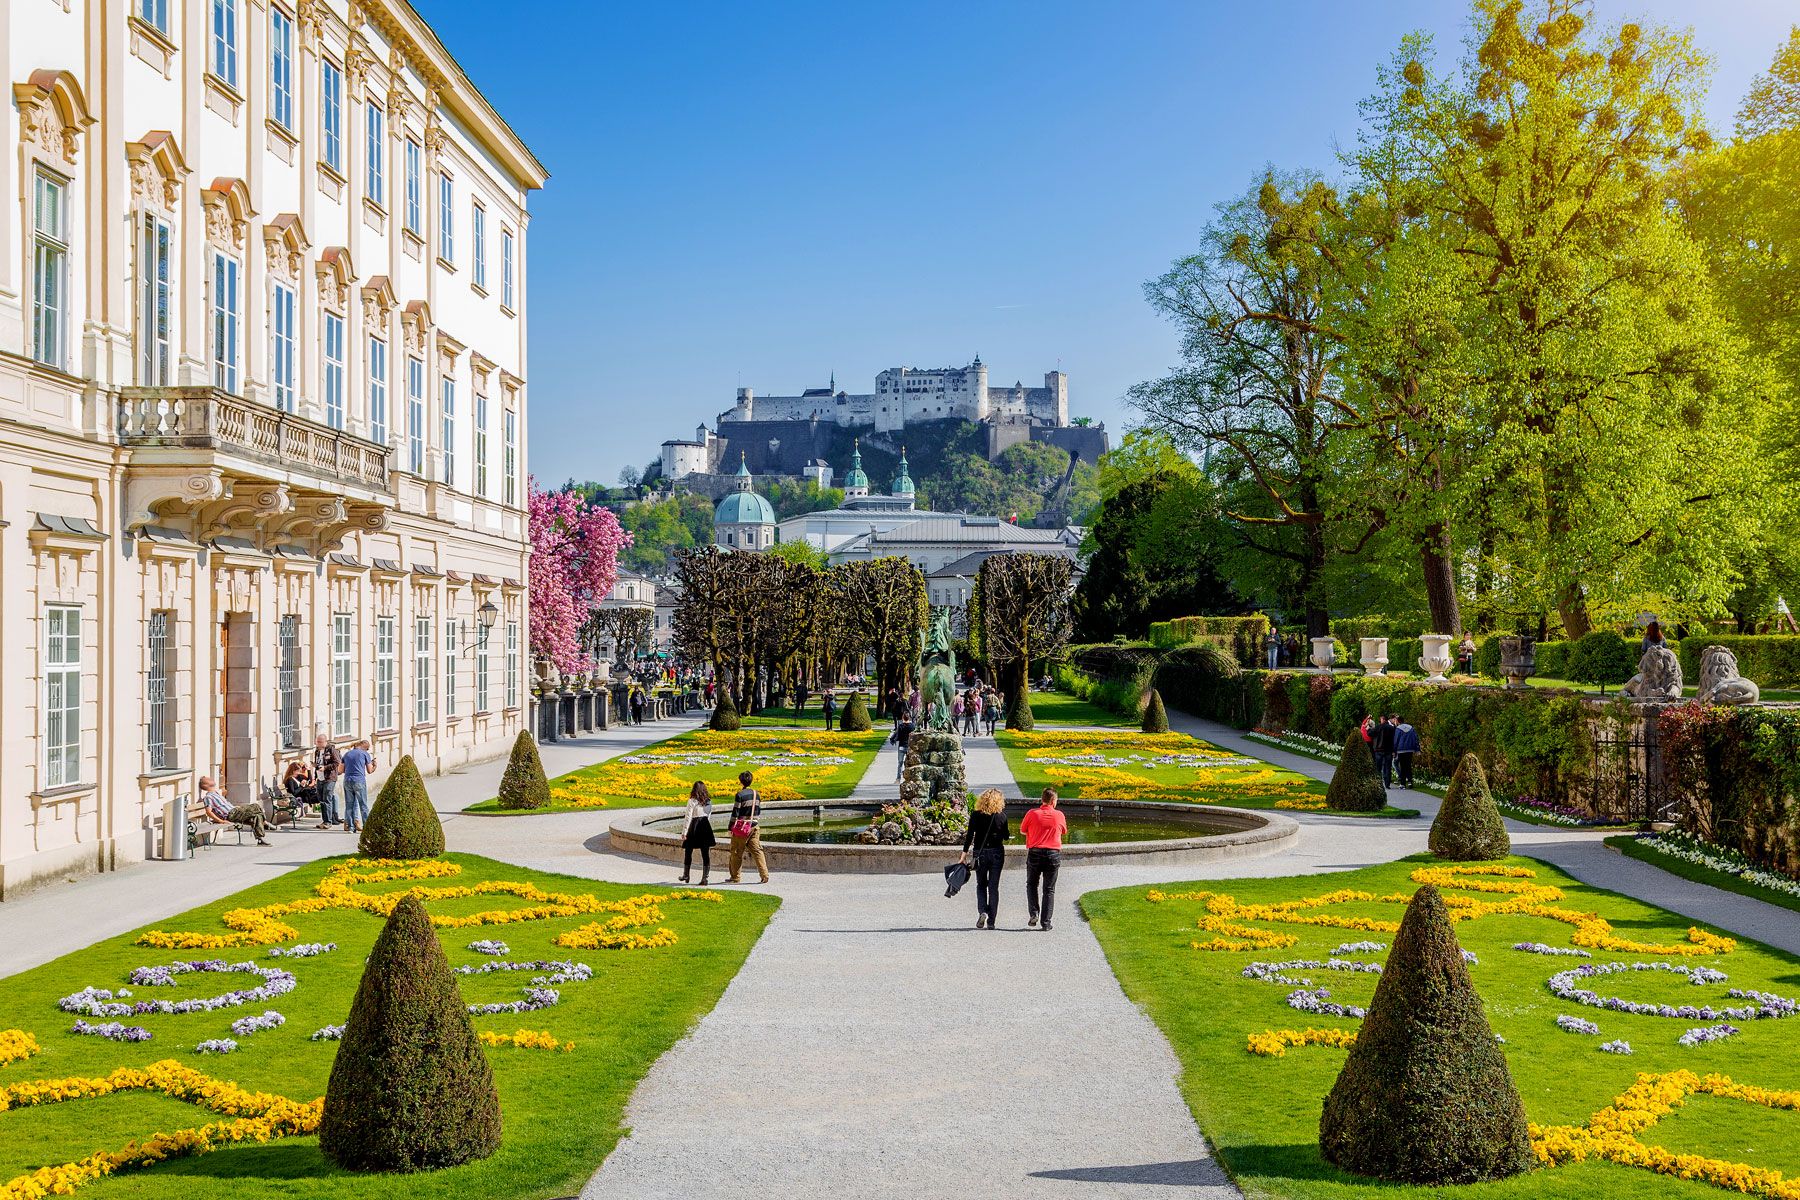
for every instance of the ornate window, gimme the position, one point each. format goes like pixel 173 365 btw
pixel 481 672
pixel 378 389
pixel 287 681
pixel 343 674
pixel 225 40
pixel 50 269
pixel 451 629
pixel 512 664
pixel 334 369
pixel 386 680
pixel 331 114
pixel 506 268
pixel 281 69
pixel 155 257
pixel 422 670
pixel 509 458
pixel 415 415
pixel 159 701
pixel 478 244
pixel 154 13
pixel 446 219
pixel 447 416
pixel 227 319
pixel 481 443
pixel 375 182
pixel 415 187
pixel 62 695
pixel 284 316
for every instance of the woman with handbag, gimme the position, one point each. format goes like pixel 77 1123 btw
pixel 699 835
pixel 985 839
pixel 746 810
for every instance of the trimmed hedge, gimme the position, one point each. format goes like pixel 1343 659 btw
pixel 725 714
pixel 1354 629
pixel 1601 657
pixel 1740 769
pixel 402 823
pixel 1425 1095
pixel 856 715
pixel 524 785
pixel 1355 785
pixel 1770 660
pixel 1018 711
pixel 1243 638
pixel 1156 720
pixel 1207 682
pixel 1468 827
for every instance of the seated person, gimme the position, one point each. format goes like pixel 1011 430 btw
pixel 223 812
pixel 297 782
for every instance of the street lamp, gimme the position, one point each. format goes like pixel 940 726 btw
pixel 486 615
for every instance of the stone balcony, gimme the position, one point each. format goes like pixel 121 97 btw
pixel 213 464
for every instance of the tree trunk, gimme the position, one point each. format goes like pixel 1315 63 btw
pixel 1571 605
pixel 1440 581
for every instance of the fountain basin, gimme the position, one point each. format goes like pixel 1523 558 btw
pixel 803 835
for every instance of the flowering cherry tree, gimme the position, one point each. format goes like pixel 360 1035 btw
pixel 574 562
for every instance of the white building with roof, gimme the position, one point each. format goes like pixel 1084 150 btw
pixel 744 520
pixel 862 511
pixel 932 541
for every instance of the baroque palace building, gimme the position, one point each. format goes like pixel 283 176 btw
pixel 262 409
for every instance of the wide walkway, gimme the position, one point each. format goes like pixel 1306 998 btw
pixel 51 921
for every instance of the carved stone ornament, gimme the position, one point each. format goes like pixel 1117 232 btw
pixel 334 281
pixel 1658 677
pixel 312 20
pixel 157 171
pixel 436 138
pixel 52 114
pixel 357 63
pixel 416 322
pixel 227 214
pixel 1720 682
pixel 285 246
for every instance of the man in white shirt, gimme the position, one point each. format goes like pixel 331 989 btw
pixel 224 812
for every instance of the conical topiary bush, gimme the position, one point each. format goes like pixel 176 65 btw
pixel 523 785
pixel 1018 710
pixel 1468 827
pixel 1355 785
pixel 1425 1096
pixel 725 714
pixel 856 715
pixel 1156 719
pixel 410 1088
pixel 402 823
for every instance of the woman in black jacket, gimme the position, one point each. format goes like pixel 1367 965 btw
pixel 985 838
pixel 699 835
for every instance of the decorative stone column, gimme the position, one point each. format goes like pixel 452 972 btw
pixel 1435 657
pixel 1518 659
pixel 1374 656
pixel 1324 653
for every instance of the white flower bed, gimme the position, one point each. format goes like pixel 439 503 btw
pixel 1689 849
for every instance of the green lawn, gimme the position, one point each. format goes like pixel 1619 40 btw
pixel 562 1112
pixel 1060 708
pixel 1128 765
pixel 1261 1113
pixel 1632 848
pixel 789 764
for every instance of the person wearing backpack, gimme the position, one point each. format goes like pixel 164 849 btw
pixel 984 846
pixel 746 810
pixel 903 729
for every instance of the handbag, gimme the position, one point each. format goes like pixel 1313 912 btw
pixel 745 826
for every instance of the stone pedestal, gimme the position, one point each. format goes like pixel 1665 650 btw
pixel 934 775
pixel 1374 655
pixel 1435 657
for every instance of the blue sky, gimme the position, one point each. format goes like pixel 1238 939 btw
pixel 759 194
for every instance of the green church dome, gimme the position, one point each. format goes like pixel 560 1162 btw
pixel 743 508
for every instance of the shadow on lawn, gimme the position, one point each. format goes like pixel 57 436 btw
pixel 1295 1160
pixel 292 1158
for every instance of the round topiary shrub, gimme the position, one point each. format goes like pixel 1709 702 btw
pixel 1468 827
pixel 725 714
pixel 1156 718
pixel 523 785
pixel 1018 711
pixel 410 1088
pixel 1425 1096
pixel 856 715
pixel 1355 785
pixel 1602 657
pixel 402 823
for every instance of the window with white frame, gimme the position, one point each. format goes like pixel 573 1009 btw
pixel 422 670
pixel 506 268
pixel 387 679
pixel 284 316
pixel 159 696
pixel 154 316
pixel 375 181
pixel 50 270
pixel 331 114
pixel 447 417
pixel 225 40
pixel 415 187
pixel 62 695
pixel 281 68
pixel 154 13
pixel 378 387
pixel 227 309
pixel 343 674
pixel 452 628
pixel 512 664
pixel 478 245
pixel 415 415
pixel 334 369
pixel 481 444
pixel 481 672
pixel 446 219
pixel 287 680
pixel 509 457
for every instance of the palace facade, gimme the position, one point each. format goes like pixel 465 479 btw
pixel 262 409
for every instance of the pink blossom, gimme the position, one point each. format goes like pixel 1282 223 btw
pixel 574 563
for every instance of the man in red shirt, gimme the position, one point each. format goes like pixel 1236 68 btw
pixel 1043 828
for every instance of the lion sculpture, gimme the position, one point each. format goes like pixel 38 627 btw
pixel 1720 682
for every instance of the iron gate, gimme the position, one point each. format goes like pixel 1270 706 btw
pixel 1628 775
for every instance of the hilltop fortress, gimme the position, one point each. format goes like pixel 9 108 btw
pixel 793 435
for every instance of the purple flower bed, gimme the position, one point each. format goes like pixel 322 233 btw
pixel 1619 1047
pixel 1564 984
pixel 1540 948
pixel 99 1002
pixel 248 1025
pixel 331 1033
pixel 490 946
pixel 1707 1033
pixel 306 950
pixel 1318 1001
pixel 216 1046
pixel 1276 972
pixel 1576 1025
pixel 535 998
pixel 1359 948
pixel 112 1031
pixel 557 970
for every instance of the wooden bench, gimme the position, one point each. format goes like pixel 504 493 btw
pixel 203 830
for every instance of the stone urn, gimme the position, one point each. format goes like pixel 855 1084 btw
pixel 1435 657
pixel 1324 653
pixel 602 674
pixel 1374 656
pixel 1518 659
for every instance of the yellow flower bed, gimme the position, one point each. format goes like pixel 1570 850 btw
pixel 1274 1043
pixel 1206 774
pixel 1224 915
pixel 264 927
pixel 528 1039
pixel 16 1044
pixel 784 762
pixel 256 1117
pixel 1614 1134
